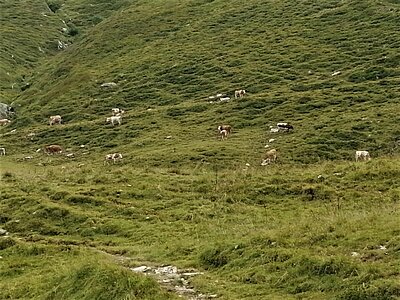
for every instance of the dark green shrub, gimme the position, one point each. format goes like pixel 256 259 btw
pixel 6 242
pixel 213 258
pixel 54 6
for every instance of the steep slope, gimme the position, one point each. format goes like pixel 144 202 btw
pixel 173 55
pixel 315 225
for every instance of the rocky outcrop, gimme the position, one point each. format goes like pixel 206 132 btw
pixel 6 111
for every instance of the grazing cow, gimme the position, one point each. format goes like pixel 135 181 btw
pixel 55 120
pixel 51 149
pixel 362 155
pixel 224 134
pixel 2 151
pixel 240 93
pixel 117 111
pixel 114 157
pixel 284 126
pixel 269 156
pixel 227 128
pixel 114 120
pixel 4 122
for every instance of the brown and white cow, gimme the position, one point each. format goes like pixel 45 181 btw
pixel 117 111
pixel 240 93
pixel 224 131
pixel 52 149
pixel 55 119
pixel 269 156
pixel 114 157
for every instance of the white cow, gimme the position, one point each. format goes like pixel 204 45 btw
pixel 114 157
pixel 362 155
pixel 2 151
pixel 55 119
pixel 114 120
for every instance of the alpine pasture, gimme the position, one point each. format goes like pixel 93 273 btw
pixel 314 224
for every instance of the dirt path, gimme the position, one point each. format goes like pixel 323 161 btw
pixel 171 278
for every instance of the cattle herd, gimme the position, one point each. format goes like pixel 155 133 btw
pixel 223 130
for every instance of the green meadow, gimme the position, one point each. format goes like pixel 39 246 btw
pixel 313 225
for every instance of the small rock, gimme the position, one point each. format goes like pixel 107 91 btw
pixel 141 269
pixel 3 231
pixel 109 84
pixel 355 254
pixel 382 247
pixel 271 140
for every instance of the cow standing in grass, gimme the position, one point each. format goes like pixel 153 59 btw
pixel 53 149
pixel 362 155
pixel 55 120
pixel 114 157
pixel 114 120
pixel 269 156
pixel 224 131
pixel 240 93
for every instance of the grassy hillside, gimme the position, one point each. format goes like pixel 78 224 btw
pixel 315 225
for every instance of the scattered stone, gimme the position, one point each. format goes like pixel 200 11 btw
pixel 271 140
pixel 3 231
pixel 141 269
pixel 109 84
pixel 61 45
pixel 336 73
pixel 274 130
pixel 168 137
pixel 355 254
pixel 382 247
